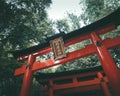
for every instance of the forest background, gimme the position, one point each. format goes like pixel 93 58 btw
pixel 25 23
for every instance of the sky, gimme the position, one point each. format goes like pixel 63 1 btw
pixel 59 8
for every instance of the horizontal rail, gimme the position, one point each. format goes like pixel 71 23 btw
pixel 110 43
pixel 75 39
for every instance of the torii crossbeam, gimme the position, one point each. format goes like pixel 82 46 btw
pixel 85 82
pixel 98 46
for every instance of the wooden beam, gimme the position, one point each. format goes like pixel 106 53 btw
pixel 77 75
pixel 71 41
pixel 77 84
pixel 110 43
pixel 77 89
pixel 51 62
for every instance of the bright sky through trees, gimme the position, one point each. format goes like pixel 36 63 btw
pixel 59 8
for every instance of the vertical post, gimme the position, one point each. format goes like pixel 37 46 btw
pixel 75 81
pixel 108 63
pixel 28 75
pixel 103 85
pixel 51 88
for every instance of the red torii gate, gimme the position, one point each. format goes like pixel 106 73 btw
pixel 98 46
pixel 85 82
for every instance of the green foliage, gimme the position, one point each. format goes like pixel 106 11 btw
pixel 115 53
pixel 74 20
pixel 96 9
pixel 62 25
pixel 9 85
pixel 92 10
pixel 23 23
pixel 35 88
pixel 68 24
pixel 82 63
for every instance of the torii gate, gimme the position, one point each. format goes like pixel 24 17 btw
pixel 98 46
pixel 84 82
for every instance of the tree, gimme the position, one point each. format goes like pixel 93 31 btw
pixel 96 9
pixel 62 25
pixel 23 23
pixel 74 21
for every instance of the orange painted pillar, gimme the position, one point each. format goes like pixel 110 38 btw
pixel 104 85
pixel 108 63
pixel 28 76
